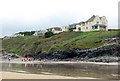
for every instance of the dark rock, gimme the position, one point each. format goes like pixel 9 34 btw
pixel 79 54
pixel 113 36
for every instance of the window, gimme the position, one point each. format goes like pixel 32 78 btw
pixel 79 28
pixel 86 27
pixel 92 27
pixel 103 22
pixel 97 22
pixel 96 27
pixel 72 26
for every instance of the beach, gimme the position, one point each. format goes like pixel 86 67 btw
pixel 22 75
pixel 12 75
pixel 19 60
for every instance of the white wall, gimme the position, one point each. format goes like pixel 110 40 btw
pixel 89 25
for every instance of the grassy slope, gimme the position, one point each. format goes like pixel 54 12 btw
pixel 64 41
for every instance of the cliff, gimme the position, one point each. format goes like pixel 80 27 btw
pixel 79 45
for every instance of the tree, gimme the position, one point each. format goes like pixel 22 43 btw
pixel 48 34
pixel 27 33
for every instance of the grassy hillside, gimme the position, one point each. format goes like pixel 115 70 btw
pixel 63 41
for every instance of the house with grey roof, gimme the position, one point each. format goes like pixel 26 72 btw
pixel 93 24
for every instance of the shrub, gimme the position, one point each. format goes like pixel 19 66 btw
pixel 48 34
pixel 27 33
pixel 113 29
pixel 59 36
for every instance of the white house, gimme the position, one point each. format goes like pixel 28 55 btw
pixel 92 24
pixel 54 30
pixel 40 33
pixel 14 35
pixel 65 28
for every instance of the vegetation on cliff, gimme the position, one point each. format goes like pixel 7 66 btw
pixel 27 33
pixel 32 45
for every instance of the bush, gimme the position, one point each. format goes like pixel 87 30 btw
pixel 113 29
pixel 48 34
pixel 27 33
pixel 59 36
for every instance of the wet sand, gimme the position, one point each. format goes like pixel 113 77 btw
pixel 12 75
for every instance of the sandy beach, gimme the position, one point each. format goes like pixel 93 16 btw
pixel 12 75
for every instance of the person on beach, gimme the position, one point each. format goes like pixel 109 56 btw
pixel 32 59
pixel 45 59
pixel 39 59
pixel 9 58
pixel 22 59
pixel 25 59
pixel 29 60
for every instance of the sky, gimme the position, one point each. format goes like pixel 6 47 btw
pixel 33 15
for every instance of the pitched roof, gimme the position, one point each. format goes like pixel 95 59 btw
pixel 78 23
pixel 49 29
pixel 91 19
pixel 81 22
pixel 74 24
pixel 41 31
pixel 57 28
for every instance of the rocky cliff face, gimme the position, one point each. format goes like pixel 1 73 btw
pixel 109 52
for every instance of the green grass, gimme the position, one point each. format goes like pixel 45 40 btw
pixel 69 40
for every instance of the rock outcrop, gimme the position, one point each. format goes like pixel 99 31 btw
pixel 109 53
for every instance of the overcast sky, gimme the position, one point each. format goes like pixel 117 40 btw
pixel 29 15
